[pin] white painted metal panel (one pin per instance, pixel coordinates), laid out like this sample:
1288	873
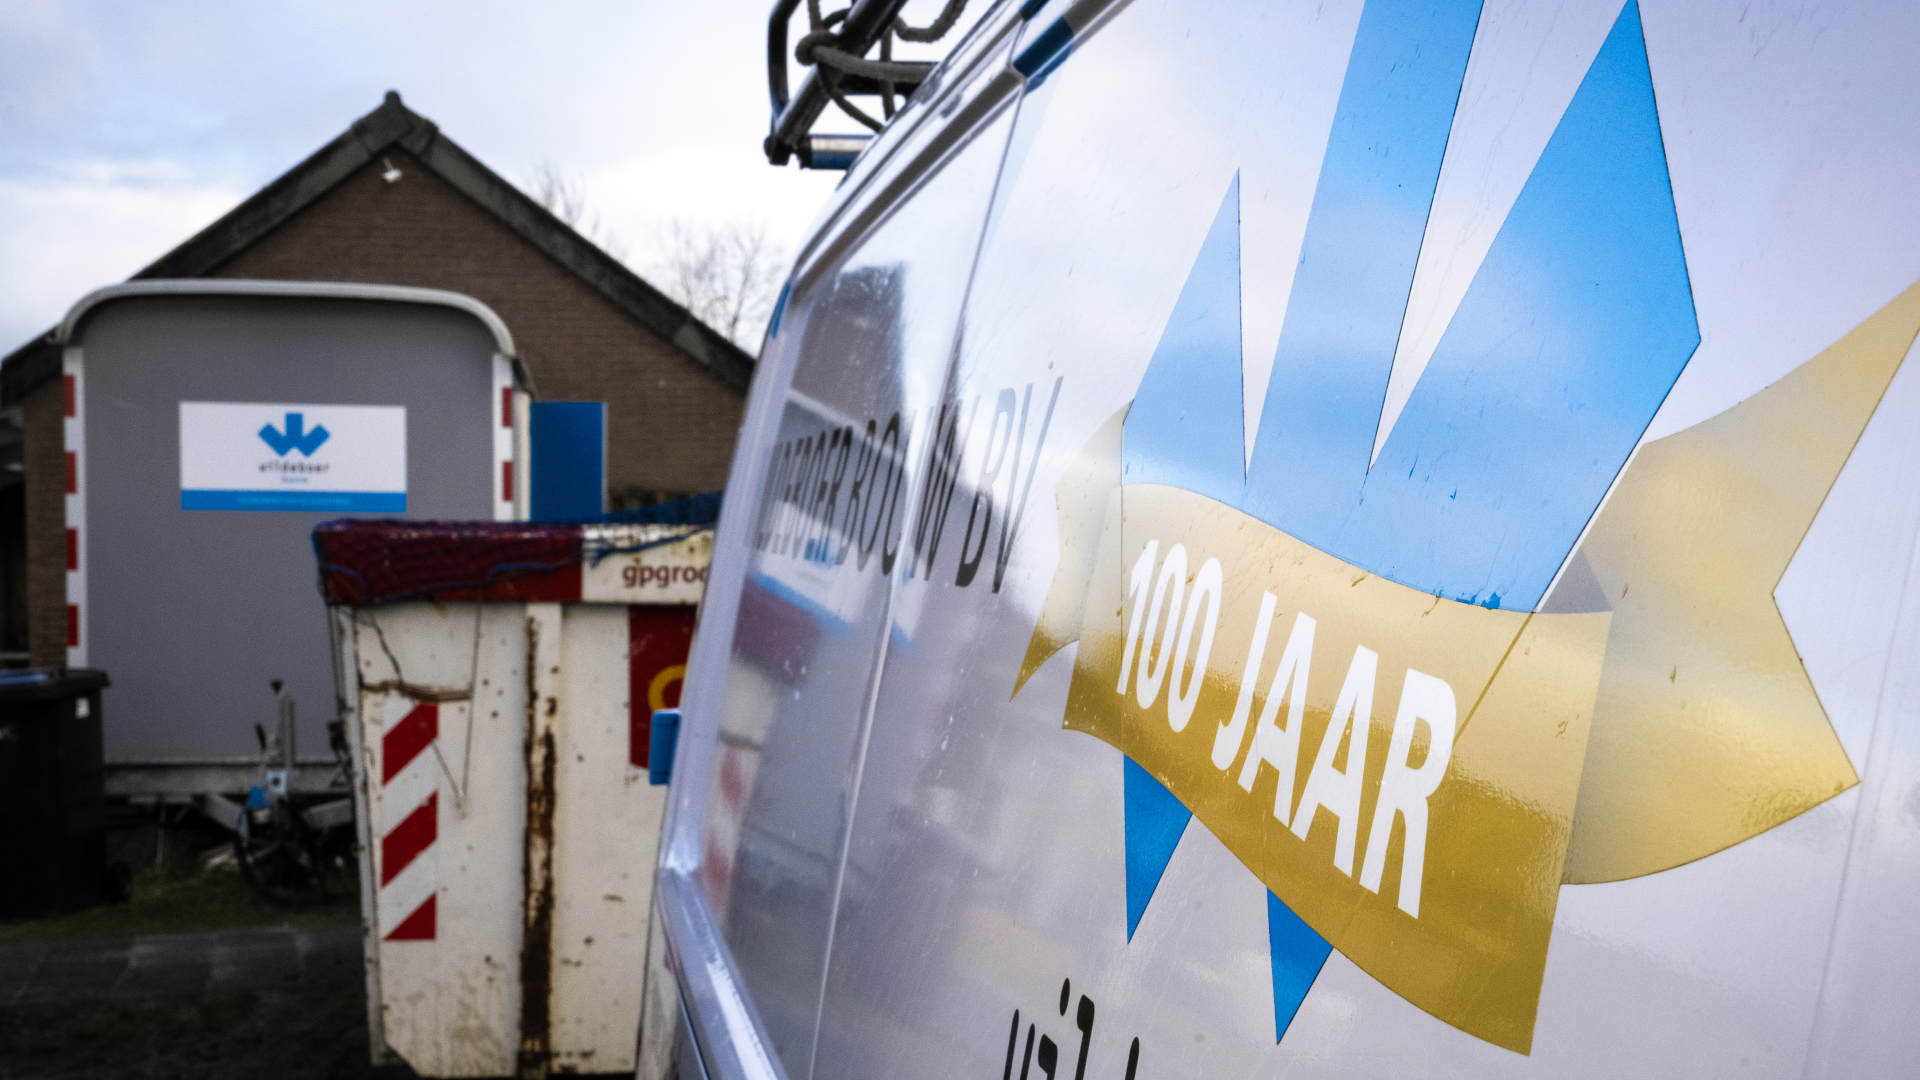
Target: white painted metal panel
453	703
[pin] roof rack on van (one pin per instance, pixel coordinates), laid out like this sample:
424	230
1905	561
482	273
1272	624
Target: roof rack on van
836	46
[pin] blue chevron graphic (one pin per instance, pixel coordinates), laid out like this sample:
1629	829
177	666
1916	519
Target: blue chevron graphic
1155	821
1357	260
1569	337
1192	392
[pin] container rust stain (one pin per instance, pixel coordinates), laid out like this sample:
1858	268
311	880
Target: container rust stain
432	695
536	949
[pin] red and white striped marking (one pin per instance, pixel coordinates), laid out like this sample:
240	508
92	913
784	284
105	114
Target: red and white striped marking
74	440
409	819
505	436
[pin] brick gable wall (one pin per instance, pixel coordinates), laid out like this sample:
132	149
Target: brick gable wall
671	424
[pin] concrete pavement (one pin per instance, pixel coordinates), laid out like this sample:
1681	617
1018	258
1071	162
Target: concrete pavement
89	970
286	1002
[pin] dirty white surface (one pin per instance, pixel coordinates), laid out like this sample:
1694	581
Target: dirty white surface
451	1006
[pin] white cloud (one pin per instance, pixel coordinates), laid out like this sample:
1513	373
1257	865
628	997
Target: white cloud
60	240
124	128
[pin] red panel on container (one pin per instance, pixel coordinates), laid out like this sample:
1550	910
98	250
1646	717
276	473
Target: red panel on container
73	626
73	549
560	586
506	406
418	926
408	839
377	562
407	739
506	481
73	473
657	642
67	380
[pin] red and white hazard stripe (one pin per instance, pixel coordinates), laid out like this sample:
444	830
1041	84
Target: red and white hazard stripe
509	492
409	820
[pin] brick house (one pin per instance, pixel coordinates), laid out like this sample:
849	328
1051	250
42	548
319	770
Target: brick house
392	201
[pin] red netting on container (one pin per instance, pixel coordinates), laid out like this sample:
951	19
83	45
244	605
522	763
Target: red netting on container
376	562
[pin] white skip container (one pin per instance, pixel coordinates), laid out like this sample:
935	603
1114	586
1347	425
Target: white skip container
500	680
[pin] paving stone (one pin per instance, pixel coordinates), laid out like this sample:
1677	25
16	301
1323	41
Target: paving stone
81	970
331	952
18	962
305	1020
254	960
166	965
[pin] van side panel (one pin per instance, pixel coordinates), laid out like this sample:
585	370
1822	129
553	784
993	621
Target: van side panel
1501	671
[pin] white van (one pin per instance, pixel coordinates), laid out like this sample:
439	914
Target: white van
1342	538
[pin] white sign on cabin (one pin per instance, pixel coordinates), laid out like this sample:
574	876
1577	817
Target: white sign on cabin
250	456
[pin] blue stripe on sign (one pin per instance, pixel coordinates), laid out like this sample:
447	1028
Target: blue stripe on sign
1574	329
1155	820
1356	264
1298	955
1039	59
1186	428
352	502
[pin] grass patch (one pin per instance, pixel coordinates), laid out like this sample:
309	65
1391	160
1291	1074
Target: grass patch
179	894
214	900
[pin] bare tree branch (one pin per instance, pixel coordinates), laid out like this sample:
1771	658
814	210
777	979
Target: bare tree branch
563	197
726	275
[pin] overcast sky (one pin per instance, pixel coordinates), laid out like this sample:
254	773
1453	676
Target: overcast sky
125	127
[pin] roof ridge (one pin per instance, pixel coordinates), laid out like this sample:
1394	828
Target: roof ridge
392	123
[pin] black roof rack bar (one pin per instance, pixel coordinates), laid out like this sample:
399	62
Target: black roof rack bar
793	118
862	86
777	53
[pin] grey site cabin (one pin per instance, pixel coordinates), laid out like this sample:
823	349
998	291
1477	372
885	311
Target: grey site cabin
198	468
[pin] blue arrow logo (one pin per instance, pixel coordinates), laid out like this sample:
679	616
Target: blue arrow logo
296	437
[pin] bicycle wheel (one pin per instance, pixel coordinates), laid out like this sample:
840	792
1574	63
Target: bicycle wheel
276	857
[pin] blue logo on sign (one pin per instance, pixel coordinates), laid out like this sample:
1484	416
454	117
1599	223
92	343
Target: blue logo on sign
295	437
